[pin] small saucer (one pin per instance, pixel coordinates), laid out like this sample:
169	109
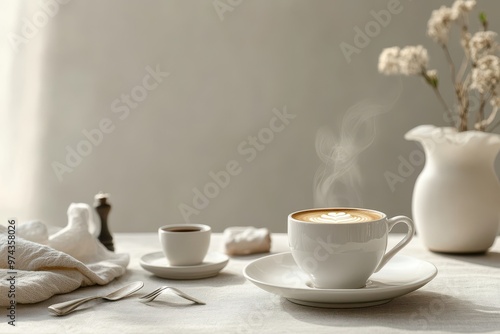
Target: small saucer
279	274
157	264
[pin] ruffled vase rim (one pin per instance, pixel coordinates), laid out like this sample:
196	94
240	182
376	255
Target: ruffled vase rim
423	133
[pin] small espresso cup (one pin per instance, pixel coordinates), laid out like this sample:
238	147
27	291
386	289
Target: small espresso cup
184	244
340	248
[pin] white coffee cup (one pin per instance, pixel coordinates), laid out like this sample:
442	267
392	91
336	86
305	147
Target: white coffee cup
185	244
340	248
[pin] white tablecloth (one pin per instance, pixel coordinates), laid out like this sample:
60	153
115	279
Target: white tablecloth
463	298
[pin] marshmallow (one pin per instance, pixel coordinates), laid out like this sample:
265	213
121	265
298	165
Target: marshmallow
241	240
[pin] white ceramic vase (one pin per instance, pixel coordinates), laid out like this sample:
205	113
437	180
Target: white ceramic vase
456	199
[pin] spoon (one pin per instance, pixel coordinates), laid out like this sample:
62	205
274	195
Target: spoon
69	306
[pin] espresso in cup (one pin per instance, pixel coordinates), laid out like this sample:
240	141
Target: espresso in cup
340	248
183	229
185	244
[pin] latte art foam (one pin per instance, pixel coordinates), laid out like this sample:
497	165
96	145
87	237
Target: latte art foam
343	216
339	217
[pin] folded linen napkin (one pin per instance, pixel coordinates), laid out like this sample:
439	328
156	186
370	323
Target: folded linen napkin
59	263
239	240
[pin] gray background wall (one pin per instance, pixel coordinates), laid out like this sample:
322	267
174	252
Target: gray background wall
228	71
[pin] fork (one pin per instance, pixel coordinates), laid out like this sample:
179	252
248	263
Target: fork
152	295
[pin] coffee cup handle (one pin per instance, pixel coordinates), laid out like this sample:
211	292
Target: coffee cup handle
409	235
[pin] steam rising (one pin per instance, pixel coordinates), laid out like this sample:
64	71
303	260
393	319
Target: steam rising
337	181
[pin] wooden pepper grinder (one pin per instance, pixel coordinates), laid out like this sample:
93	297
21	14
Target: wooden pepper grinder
102	207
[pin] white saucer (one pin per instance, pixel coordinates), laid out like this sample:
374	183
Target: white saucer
158	265
279	274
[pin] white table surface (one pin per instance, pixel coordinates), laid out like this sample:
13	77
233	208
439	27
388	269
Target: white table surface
463	298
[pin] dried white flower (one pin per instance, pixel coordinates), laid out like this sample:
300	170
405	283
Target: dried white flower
482	44
410	60
432	74
438	26
462	7
413	60
480	70
432	78
486	74
465	42
388	62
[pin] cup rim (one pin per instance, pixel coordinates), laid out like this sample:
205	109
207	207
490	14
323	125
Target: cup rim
291	218
202	227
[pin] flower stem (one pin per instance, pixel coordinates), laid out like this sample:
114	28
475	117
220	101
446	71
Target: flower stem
439	96
484	21
465	37
497	123
459	92
450	62
463	100
480	114
492	116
